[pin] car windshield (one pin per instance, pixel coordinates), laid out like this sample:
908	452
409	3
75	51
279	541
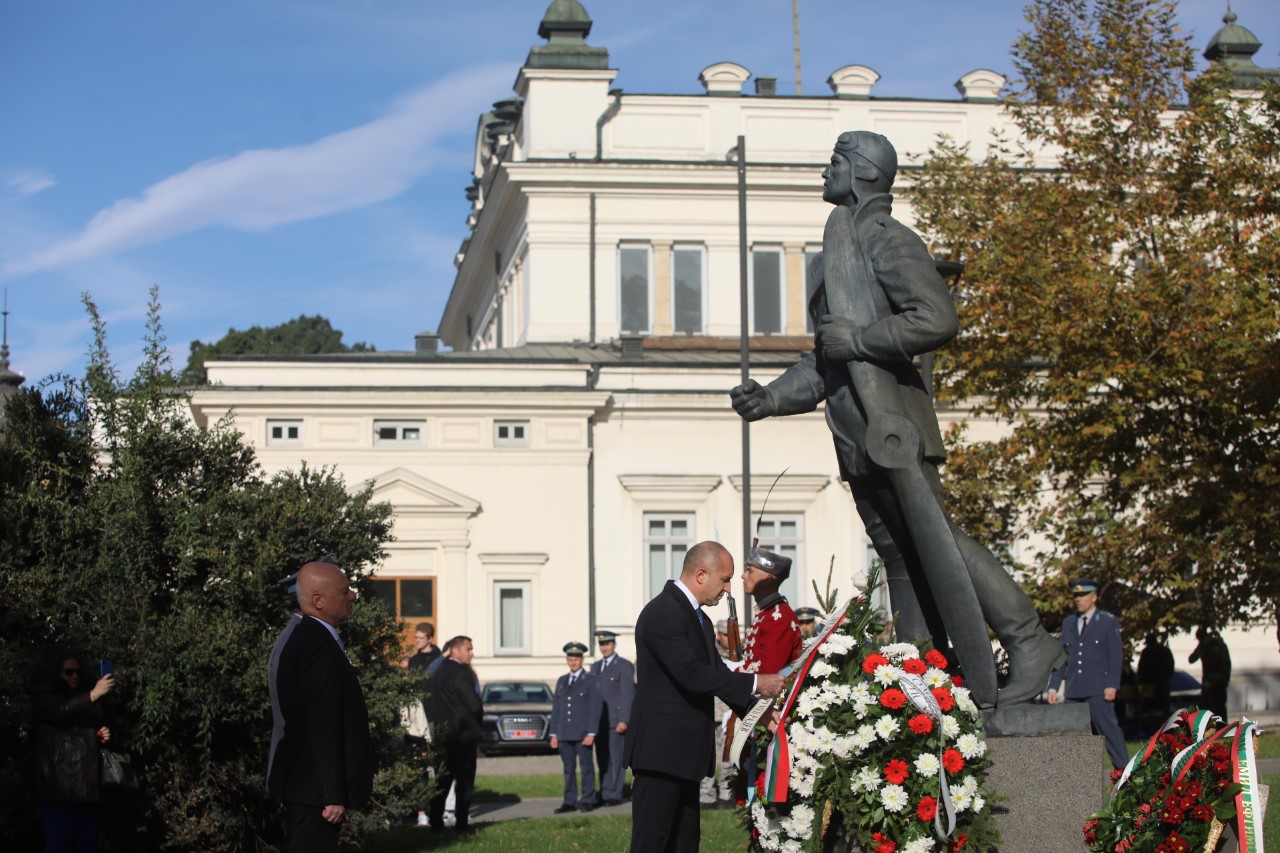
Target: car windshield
516	693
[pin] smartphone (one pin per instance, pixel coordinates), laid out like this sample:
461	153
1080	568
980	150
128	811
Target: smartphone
105	667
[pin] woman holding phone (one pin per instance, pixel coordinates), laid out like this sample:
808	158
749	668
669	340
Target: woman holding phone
69	731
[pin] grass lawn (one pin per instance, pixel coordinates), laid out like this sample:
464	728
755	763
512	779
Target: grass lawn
524	787
720	832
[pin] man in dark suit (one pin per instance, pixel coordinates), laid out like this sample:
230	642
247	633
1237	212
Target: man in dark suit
1091	639
617	677
670	744
321	767
575	718
455	713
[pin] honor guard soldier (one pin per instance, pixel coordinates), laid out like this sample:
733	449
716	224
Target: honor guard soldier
617	679
773	640
575	716
1091	639
807	619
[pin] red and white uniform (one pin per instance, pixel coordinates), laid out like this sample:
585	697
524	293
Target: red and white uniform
773	640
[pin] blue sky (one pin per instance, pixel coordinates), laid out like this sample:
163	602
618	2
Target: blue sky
259	159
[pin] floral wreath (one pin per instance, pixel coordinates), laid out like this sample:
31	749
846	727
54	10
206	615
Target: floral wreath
1194	778
878	747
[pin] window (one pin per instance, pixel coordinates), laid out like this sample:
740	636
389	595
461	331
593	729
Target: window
667	537
686	282
512	609
397	432
510	433
811	278
784	534
766	291
284	433
411	600
633	288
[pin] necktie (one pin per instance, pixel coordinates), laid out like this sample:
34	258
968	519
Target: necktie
573	678
604	664
701	618
1084	620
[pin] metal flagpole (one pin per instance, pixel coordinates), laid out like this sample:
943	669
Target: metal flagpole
745	349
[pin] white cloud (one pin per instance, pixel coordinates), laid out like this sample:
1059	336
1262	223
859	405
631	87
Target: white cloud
26	181
260	189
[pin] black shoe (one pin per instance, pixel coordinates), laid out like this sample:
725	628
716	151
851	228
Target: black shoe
565	808
613	802
588	807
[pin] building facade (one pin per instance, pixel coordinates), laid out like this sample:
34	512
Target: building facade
549	471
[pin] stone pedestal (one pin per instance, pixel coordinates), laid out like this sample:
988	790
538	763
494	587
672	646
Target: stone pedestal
1049	773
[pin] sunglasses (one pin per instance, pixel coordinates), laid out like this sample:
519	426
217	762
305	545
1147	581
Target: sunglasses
70	672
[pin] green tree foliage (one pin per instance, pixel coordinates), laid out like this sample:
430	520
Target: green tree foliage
1121	313
129	533
302	336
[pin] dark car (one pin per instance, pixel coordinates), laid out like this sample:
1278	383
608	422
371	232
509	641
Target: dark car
517	716
1137	714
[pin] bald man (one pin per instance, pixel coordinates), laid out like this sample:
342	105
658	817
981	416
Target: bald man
670	744
321	766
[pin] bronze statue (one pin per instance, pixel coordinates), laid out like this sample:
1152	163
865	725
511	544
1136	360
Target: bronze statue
879	303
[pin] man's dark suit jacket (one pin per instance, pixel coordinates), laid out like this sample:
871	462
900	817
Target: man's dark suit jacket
323	758
1094	661
679	672
453	705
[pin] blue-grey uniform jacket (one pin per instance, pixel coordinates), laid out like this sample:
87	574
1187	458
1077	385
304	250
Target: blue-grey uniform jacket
575	711
617	688
1094	660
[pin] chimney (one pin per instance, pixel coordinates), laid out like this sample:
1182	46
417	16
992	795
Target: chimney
766	87
425	344
632	346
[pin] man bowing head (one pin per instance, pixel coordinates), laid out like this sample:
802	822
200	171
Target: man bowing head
321	766
670	743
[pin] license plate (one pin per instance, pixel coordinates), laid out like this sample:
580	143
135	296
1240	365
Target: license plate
523	734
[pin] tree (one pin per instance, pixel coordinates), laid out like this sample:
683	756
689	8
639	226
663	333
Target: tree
1121	314
303	336
130	533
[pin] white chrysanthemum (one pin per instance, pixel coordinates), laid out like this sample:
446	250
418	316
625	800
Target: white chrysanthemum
919	845
860	694
950	726
864	737
893	798
934	677
791	846
970	746
800	823
970	784
821	669
887	675
964	702
898	652
866	780
887	728
978	803
927	764
960	798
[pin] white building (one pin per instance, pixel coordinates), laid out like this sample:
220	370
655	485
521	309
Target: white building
548	473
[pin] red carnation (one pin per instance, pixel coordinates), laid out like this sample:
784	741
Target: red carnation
961	838
883	844
945	700
1175	843
927	808
874	660
1115	776
1172	814
896	771
1091	832
893	698
1202	812
953	761
936	658
1218	752
915	666
920	724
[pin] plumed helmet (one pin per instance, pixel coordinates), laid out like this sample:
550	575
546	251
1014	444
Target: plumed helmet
775	564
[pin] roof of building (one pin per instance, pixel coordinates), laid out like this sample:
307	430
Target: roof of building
1234	46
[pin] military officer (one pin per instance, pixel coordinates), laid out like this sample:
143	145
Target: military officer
617	678
1091	639
807	619
773	640
575	716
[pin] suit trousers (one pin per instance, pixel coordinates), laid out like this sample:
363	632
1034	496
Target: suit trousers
665	816
459	771
573	755
306	831
1102	718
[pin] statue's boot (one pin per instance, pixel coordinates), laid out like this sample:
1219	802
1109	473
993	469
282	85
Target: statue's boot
1033	652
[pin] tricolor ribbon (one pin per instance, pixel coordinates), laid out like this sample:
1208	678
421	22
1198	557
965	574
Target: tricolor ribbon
1248	801
777	767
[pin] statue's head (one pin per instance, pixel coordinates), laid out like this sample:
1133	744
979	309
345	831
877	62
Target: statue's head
863	163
